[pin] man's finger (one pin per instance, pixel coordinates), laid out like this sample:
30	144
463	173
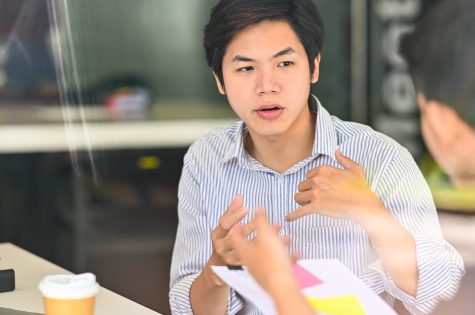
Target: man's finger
305	185
348	163
230	219
321	170
236	204
233	258
312	173
303	198
238	240
233	211
298	213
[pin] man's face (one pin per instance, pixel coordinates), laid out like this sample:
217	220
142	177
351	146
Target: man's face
267	79
449	139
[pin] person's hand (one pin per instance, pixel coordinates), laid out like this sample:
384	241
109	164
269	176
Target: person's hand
265	256
336	192
267	260
229	224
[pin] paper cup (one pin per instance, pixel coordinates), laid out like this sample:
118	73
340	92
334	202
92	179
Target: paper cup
69	294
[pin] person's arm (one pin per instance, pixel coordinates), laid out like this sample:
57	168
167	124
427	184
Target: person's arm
289	299
344	193
415	265
395	247
193	253
268	261
209	295
405	192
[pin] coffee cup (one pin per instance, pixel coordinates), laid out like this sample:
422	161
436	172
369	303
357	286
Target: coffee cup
69	294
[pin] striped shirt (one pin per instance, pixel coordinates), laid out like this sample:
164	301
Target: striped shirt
217	167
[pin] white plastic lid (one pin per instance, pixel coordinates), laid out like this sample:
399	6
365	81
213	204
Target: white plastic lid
69	286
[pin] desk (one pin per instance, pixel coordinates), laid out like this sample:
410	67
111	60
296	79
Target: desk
459	231
30	269
58	137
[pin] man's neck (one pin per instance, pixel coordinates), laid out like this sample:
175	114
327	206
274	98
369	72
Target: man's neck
282	152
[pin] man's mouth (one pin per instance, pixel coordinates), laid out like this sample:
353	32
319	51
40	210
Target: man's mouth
270	108
269	111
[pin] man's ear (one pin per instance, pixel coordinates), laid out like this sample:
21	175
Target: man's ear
219	85
316	71
435	111
444	122
439	113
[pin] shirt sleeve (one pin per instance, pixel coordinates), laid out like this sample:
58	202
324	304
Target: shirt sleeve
193	243
404	191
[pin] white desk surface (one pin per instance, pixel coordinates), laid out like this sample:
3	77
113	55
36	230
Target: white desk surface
58	137
30	269
459	231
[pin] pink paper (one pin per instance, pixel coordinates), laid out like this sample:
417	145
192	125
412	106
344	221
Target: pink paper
305	278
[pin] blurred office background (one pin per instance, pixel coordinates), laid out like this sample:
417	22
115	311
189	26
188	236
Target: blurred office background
99	100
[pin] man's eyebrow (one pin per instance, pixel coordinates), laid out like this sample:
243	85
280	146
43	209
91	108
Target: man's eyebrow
239	58
285	51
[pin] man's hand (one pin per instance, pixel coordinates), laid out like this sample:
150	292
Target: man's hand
336	192
223	248
265	255
208	293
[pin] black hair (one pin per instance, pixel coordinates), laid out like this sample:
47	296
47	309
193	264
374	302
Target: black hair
229	17
440	53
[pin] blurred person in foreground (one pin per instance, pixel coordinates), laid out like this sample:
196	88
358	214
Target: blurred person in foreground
338	189
268	261
440	53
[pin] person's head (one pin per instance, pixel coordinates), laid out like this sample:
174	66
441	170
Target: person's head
440	53
229	17
265	54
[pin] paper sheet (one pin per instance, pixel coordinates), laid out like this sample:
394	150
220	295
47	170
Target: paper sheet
323	282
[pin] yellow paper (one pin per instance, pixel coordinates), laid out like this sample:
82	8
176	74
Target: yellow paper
342	305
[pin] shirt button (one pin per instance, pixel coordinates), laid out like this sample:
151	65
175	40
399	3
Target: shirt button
281	233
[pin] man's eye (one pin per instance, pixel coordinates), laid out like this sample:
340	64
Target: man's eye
285	63
245	69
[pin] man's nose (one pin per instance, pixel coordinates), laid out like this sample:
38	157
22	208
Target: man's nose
267	83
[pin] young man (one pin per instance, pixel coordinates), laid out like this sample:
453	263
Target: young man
338	189
440	54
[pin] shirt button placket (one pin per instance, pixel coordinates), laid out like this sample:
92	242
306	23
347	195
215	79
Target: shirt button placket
280	204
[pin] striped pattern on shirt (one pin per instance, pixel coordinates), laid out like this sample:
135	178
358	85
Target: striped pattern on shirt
217	167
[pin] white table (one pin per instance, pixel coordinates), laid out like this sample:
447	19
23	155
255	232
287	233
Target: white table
459	230
58	137
30	269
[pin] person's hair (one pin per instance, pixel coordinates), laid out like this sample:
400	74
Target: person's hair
440	53
229	17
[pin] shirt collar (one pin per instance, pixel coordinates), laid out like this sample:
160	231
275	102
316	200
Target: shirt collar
237	151
326	141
